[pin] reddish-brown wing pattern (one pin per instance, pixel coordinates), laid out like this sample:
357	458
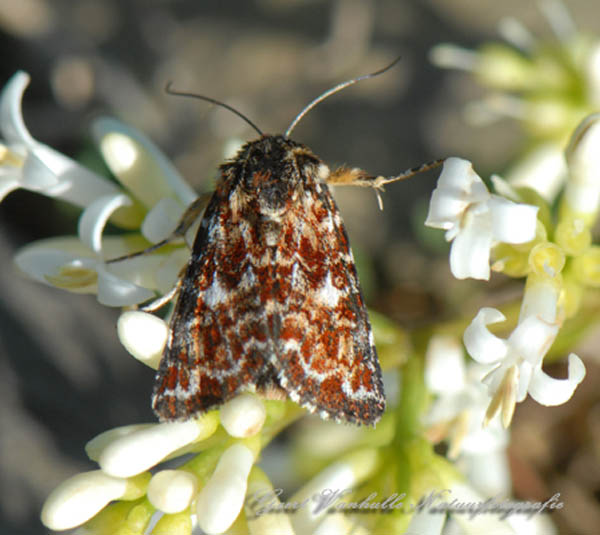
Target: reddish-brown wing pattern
270	300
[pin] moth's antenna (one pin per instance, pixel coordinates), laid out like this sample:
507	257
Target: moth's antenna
171	91
335	89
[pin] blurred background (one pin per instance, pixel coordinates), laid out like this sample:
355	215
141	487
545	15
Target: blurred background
64	376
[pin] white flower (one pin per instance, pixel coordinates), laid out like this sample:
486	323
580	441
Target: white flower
80	497
462	399
474	219
262	522
582	192
458	413
66	263
29	164
341	524
424	522
543	169
520	87
470	513
153	199
141	449
222	498
321	492
172	491
95	446
139	164
483	521
516	363
143	335
243	416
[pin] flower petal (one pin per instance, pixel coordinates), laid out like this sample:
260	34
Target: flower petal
346	473
222	498
504	189
481	344
8	183
593	72
581	198
541	297
162	220
482	440
549	391
167	274
444	211
451	56
489	471
67	259
44	168
445	365
47	259
143	335
458	186
36	175
116	292
512	222
523	380
269	521
243	416
172	491
138	451
11	120
425	522
74	183
340	524
458	175
470	251
544	170
532	338
139	164
582	193
96	445
141	270
79	498
94	218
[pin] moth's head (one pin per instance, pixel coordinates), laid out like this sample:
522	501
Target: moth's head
274	170
275	157
267	151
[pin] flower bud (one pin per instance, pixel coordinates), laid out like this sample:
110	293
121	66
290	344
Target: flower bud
243	416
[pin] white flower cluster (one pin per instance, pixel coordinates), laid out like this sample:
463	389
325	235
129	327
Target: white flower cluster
548	84
152	197
209	496
476	220
211	500
211	489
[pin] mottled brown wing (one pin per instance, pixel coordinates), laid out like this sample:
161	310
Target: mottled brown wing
219	341
327	360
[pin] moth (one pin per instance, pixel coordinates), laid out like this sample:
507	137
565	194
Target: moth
270	300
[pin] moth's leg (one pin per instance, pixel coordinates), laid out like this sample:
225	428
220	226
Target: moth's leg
191	215
163	299
344	176
169	296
